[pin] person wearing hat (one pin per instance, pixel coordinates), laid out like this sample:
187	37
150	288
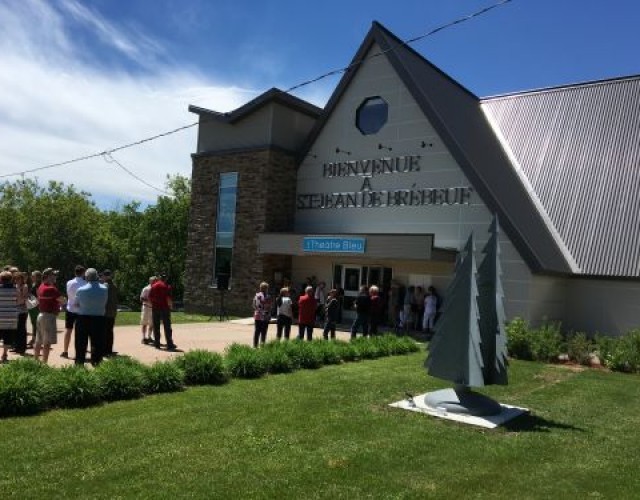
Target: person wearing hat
50	299
72	311
90	302
110	313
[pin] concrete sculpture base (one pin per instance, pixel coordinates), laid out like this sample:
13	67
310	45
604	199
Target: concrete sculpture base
462	400
417	404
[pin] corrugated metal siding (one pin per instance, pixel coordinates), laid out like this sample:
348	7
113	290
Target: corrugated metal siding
579	147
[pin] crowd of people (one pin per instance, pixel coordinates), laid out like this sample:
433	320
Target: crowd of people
90	305
407	309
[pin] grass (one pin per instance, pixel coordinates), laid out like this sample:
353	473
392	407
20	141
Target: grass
330	433
177	317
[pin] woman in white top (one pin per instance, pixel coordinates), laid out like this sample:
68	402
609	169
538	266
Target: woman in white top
430	309
285	314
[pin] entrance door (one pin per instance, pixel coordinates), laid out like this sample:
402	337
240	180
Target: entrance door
350	282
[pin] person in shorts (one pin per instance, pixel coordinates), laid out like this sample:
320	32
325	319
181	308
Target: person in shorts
50	300
146	315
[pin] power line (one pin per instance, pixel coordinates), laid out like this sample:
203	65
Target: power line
110	159
404	43
107	153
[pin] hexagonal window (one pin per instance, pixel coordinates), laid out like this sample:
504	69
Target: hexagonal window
371	115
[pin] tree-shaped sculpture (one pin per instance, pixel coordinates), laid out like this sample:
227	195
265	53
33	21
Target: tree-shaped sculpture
454	351
469	344
492	317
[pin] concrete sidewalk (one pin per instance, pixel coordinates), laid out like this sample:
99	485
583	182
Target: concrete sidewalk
211	336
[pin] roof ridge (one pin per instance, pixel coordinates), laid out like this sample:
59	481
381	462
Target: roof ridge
563	87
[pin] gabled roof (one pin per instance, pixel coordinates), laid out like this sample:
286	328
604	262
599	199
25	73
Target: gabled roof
579	148
456	115
271	95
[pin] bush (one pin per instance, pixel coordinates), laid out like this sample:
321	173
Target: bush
164	376
121	378
245	362
546	342
367	349
580	348
277	358
605	346
518	339
304	354
328	352
625	353
22	392
203	368
346	350
406	345
73	387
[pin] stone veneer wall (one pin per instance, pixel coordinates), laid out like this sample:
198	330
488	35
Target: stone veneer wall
265	203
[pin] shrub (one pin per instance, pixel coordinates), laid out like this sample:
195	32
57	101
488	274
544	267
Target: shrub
406	345
347	350
22	392
605	346
73	387
245	362
164	376
203	367
625	354
121	378
385	345
367	349
29	365
580	348
304	354
546	342
518	339
328	352
293	350
277	358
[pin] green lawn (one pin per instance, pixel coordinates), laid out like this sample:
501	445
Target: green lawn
133	318
330	434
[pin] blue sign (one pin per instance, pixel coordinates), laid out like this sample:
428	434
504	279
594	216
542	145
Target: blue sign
330	244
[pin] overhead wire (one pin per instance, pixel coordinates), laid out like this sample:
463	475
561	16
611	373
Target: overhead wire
106	154
110	159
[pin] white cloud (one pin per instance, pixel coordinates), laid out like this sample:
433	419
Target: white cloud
55	107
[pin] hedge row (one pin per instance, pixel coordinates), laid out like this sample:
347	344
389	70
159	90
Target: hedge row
28	387
548	343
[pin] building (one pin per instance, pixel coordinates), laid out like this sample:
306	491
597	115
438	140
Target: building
384	185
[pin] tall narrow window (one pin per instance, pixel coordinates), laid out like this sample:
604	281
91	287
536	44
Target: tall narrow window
225	228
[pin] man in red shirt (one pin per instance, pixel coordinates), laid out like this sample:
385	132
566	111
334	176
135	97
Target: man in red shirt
306	314
50	299
161	304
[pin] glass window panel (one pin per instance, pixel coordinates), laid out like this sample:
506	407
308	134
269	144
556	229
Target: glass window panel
351	279
372	115
225	225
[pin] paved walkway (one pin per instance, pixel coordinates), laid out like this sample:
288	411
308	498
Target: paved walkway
213	336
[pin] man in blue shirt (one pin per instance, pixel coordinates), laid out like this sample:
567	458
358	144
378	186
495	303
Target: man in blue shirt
91	300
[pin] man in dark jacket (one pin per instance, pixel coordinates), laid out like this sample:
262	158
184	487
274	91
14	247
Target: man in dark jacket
363	310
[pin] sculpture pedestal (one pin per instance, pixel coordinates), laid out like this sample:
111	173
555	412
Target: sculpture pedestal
462	401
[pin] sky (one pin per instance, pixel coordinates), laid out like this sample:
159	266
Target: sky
79	77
